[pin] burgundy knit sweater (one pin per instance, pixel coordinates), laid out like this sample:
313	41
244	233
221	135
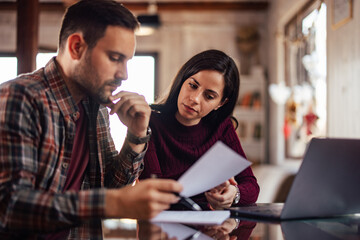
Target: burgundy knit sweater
173	148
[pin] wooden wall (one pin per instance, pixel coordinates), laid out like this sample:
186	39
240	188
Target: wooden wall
344	76
184	34
343	73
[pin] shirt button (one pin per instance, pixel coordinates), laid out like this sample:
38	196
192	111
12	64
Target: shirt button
65	165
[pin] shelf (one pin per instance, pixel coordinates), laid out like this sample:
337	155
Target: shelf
251	115
249	80
254	151
248	111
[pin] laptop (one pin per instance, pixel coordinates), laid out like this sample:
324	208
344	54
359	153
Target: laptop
326	185
300	230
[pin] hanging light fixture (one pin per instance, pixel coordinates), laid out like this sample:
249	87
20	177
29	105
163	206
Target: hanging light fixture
150	21
279	93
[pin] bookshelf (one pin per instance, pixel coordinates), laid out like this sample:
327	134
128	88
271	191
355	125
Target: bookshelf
250	113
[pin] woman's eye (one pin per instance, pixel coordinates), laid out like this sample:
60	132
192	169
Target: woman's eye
192	85
209	97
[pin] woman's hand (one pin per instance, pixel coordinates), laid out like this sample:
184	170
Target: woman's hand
222	231
222	196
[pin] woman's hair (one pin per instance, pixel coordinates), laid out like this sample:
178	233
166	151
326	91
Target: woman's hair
206	60
92	17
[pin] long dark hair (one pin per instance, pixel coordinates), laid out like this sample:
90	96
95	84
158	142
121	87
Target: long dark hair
92	17
206	60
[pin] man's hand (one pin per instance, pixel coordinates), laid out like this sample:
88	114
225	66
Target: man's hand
143	201
132	110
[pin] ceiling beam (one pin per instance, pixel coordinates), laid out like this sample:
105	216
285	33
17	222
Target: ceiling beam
165	6
9	6
200	6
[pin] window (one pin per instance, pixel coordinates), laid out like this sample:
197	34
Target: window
141	72
305	66
8	65
8	68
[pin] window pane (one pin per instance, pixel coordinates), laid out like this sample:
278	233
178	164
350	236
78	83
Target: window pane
8	65
43	58
8	68
141	73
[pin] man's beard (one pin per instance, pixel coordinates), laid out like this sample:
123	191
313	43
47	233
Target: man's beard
101	97
86	72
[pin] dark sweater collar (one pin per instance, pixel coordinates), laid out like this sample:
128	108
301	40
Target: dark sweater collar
180	129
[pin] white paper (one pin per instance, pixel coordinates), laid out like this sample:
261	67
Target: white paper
179	231
192	217
217	165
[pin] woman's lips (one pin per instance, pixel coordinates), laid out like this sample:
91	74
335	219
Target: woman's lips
190	109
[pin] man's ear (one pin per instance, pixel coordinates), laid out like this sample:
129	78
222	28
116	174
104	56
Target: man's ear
76	45
221	104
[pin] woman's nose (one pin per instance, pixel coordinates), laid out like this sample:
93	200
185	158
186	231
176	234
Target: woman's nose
195	96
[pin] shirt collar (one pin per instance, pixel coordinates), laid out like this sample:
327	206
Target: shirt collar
60	91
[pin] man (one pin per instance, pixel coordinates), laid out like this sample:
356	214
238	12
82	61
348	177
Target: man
59	170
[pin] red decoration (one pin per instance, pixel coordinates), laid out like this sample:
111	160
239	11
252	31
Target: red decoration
310	121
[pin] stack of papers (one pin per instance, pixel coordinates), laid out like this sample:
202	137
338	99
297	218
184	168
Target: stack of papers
192	217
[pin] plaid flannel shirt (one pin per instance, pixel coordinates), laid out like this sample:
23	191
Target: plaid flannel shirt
37	128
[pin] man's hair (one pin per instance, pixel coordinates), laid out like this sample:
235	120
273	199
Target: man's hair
92	17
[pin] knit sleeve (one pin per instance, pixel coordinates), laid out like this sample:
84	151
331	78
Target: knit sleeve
151	162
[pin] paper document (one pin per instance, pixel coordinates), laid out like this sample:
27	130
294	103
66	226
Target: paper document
216	166
192	217
179	231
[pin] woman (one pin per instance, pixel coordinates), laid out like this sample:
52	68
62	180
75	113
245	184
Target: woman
196	114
